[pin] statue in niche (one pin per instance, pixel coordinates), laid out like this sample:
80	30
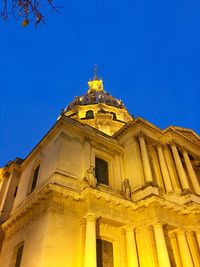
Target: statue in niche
90	176
126	189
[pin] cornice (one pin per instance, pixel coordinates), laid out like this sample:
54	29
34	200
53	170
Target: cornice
90	195
78	127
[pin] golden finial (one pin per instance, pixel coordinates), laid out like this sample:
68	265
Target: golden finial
96	84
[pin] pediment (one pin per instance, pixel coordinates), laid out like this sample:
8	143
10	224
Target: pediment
190	134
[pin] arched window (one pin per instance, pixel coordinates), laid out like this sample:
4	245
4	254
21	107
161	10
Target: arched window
104	253
101	171
89	114
114	115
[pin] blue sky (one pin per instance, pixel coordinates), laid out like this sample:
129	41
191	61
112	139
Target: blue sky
147	52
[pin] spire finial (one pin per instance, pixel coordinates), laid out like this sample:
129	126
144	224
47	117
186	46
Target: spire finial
95	72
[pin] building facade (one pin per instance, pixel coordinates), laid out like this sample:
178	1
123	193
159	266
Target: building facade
103	189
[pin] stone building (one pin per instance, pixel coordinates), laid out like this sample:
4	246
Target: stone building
103	189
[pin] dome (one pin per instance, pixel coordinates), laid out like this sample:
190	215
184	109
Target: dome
98	109
95	95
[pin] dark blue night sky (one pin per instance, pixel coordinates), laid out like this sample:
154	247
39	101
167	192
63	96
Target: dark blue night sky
148	53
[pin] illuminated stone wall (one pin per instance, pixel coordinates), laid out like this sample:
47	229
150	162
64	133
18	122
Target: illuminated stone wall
149	212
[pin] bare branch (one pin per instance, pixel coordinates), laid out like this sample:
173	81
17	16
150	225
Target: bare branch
26	10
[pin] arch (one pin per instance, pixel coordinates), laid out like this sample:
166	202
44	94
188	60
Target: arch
89	114
114	115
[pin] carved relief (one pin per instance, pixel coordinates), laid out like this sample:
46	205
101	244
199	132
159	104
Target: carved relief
90	177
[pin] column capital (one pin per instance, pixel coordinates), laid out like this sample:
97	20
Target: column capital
183	150
172	234
140	134
158	225
180	232
158	145
189	233
178	146
129	228
91	216
82	221
172	143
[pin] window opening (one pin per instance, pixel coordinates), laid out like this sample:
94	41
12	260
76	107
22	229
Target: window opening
35	178
104	253
101	171
114	115
15	193
89	114
19	256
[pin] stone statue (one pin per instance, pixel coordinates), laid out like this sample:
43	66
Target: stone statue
90	176
126	189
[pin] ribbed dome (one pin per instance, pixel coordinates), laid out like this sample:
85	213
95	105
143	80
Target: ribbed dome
98	109
95	97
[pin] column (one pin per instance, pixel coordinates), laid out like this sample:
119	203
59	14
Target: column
191	172
90	241
180	169
162	252
172	169
145	160
186	258
132	257
165	173
175	249
193	248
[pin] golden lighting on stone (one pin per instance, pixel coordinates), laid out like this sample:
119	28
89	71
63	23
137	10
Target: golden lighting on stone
135	189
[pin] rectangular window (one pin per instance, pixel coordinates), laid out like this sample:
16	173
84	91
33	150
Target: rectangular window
101	171
104	253
19	253
34	178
